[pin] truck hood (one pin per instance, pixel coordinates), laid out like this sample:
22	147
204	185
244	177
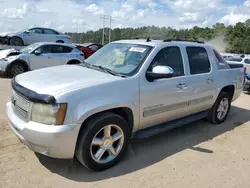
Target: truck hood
7	34
60	79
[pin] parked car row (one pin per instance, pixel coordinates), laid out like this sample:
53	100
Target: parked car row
33	35
38	55
128	88
89	48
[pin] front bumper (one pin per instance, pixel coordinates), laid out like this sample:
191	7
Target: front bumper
4	40
52	141
3	65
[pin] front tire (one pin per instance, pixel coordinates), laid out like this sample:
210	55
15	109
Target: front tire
15	69
103	141
16	41
219	112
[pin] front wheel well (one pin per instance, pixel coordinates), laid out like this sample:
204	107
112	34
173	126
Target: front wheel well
124	112
230	90
73	62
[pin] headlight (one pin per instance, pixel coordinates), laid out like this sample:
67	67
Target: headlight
49	114
10	58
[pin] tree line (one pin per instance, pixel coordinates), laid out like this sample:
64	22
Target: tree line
232	39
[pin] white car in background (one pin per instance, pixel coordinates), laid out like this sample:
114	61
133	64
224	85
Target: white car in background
245	61
33	35
38	55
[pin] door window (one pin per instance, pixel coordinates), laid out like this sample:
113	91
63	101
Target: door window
35	31
198	60
46	49
170	56
49	32
61	49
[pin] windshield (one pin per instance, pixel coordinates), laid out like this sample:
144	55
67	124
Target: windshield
29	48
121	58
234	59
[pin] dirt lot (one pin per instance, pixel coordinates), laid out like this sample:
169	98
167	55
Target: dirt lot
197	155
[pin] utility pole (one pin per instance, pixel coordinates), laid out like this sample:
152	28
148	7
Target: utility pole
104	18
110	20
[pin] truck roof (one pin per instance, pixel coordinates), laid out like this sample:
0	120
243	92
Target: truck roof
154	43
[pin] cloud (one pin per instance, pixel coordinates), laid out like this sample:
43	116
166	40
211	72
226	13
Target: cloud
236	14
74	15
15	13
93	8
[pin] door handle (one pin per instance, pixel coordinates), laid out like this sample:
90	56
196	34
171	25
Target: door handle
209	80
182	85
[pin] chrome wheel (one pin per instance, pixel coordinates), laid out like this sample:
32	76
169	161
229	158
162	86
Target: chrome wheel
16	69
107	144
223	108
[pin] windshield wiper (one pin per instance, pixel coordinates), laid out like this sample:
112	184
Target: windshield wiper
109	71
86	64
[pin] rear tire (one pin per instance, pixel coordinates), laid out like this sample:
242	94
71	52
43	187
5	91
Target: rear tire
96	146
16	68
219	112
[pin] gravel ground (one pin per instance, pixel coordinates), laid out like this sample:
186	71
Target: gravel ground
197	155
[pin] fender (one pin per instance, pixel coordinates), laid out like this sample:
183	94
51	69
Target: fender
94	111
19	60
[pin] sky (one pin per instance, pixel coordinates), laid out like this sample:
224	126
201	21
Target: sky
84	15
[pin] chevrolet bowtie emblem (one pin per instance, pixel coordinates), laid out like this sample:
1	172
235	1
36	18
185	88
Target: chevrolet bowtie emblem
13	100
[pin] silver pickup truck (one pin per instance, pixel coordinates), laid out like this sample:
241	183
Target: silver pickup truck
129	88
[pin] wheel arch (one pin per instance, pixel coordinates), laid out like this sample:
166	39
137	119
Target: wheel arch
73	61
123	111
19	61
228	89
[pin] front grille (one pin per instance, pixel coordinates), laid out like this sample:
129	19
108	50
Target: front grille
21	106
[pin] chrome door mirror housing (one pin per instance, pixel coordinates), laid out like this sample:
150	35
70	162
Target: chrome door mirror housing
159	72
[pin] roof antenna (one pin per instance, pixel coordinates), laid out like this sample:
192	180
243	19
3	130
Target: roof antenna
148	39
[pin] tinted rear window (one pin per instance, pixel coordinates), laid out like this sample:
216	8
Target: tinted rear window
198	60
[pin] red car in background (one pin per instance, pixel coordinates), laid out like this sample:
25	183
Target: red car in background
88	48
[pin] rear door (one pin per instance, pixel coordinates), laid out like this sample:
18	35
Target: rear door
200	78
60	55
50	35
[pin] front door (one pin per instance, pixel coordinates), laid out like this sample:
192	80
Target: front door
42	60
166	99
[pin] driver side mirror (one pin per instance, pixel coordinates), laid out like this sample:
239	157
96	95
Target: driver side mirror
160	72
37	52
27	32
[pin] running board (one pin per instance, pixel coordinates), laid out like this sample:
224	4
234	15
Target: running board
157	129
